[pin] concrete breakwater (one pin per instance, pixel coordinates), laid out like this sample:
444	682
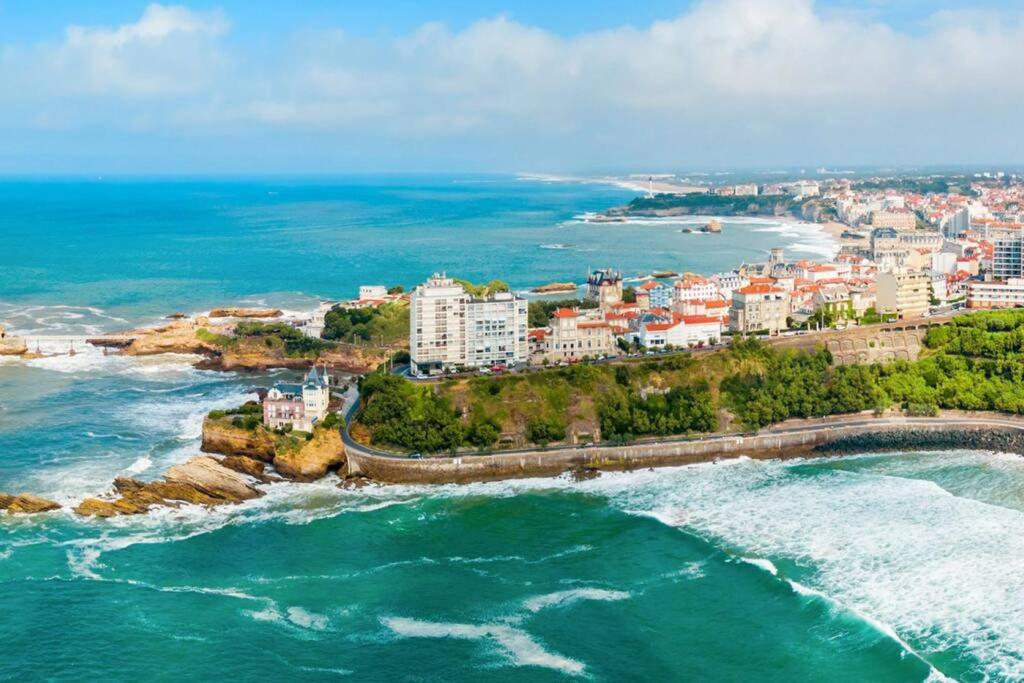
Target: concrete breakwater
794	439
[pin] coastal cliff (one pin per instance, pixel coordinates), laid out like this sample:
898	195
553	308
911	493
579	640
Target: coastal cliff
292	456
237	346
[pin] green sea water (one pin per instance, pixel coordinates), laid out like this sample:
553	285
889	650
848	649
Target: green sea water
882	567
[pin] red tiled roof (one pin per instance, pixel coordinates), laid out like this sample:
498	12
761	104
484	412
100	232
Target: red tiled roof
700	319
564	313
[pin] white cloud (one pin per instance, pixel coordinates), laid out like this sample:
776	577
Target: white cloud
729	80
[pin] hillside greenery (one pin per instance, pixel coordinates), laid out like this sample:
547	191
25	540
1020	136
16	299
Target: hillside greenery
387	324
282	337
976	362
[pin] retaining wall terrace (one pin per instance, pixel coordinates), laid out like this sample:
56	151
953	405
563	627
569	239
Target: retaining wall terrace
810	437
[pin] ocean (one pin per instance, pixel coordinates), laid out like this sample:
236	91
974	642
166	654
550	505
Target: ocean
880	567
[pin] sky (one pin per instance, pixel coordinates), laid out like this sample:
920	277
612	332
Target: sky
258	87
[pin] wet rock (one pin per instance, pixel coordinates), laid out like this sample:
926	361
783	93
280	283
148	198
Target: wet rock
26	504
583	473
354	482
200	481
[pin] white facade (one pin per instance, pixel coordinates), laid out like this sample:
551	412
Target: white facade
372	292
449	328
1008	294
691	289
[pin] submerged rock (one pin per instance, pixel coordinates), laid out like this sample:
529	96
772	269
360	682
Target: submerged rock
26	504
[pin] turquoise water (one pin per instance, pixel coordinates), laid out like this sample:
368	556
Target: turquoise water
882	567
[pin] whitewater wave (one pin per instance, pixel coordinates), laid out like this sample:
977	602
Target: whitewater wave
567	597
514	644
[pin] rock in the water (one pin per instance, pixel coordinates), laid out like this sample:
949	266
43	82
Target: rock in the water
26	504
245	313
208	476
200	481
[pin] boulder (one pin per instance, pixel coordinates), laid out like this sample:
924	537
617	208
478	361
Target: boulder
200	481
26	504
206	475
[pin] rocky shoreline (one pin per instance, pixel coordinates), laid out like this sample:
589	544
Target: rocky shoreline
247	457
1001	440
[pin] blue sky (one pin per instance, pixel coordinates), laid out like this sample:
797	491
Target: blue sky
337	87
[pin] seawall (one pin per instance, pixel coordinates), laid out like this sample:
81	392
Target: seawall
793	439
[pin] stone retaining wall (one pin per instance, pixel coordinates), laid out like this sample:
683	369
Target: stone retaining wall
834	438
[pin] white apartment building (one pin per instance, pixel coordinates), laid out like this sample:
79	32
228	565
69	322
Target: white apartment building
1008	294
449	328
727	282
1007	254
692	288
905	294
373	292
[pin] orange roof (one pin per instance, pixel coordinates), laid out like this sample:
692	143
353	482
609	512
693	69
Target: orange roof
649	285
758	289
593	324
564	313
700	319
659	327
716	303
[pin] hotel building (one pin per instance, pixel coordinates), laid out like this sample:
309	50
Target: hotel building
449	328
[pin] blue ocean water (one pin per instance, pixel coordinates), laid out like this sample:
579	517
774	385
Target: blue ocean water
882	567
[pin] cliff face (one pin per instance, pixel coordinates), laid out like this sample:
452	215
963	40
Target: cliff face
219	436
313	459
292	456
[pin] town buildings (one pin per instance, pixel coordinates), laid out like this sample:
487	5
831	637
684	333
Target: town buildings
984	295
298	406
449	328
904	294
572	336
758	307
605	287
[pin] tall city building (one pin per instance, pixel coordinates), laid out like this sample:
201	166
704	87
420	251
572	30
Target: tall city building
1007	254
449	328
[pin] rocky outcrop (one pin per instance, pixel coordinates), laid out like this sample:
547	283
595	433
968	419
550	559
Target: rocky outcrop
220	436
555	287
26	504
11	346
178	336
292	456
200	481
250	467
313	459
245	313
